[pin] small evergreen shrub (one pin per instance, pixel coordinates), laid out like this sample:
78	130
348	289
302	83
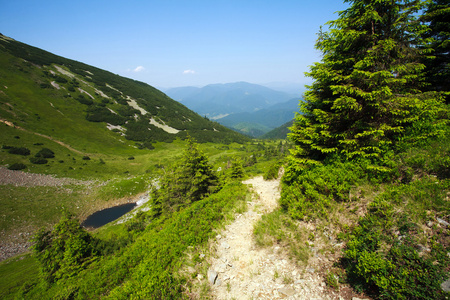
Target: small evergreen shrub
64	251
38	160
84	100
17	166
45	153
19	151
236	170
86	157
60	79
187	181
311	193
272	172
384	254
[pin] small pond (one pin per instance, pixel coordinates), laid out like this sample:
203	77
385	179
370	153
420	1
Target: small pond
107	215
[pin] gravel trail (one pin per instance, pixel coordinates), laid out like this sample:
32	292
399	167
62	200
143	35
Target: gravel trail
246	272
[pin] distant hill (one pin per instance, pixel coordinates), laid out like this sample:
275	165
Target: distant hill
278	133
87	107
218	100
262	121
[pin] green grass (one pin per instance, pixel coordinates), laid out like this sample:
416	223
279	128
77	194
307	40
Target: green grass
15	273
278	228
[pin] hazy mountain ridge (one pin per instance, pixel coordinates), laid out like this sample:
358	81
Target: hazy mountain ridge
223	99
264	120
248	108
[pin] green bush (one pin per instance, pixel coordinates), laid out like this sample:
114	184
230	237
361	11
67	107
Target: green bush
18	150
45	153
236	170
64	251
84	100
312	192
383	256
60	79
17	166
38	160
273	171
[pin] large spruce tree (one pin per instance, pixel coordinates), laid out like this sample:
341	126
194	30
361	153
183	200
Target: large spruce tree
437	17
367	88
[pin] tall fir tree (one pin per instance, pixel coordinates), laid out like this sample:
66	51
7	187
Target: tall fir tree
366	89
437	17
187	181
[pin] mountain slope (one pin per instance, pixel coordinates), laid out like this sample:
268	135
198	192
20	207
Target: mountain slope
279	132
216	100
89	108
264	119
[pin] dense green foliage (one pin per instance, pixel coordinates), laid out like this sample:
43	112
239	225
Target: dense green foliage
389	254
437	17
189	180
367	87
375	116
148	267
64	251
311	193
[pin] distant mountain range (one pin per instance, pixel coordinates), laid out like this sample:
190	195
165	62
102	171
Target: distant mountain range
218	100
247	108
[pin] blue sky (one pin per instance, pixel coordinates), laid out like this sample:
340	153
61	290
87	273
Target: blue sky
169	43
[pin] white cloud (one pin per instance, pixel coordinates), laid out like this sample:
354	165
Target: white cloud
188	72
139	69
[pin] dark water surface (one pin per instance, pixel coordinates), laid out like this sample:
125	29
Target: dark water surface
107	215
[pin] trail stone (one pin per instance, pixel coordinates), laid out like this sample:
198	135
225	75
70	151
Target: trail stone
445	286
443	222
287	291
212	276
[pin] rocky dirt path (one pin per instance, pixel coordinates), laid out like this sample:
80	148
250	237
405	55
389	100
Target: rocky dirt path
243	271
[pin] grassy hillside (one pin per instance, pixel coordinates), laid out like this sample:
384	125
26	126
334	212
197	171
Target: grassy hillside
278	133
58	97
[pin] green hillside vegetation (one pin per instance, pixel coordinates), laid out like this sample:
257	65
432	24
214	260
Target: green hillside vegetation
250	129
58	97
279	132
370	169
146	256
